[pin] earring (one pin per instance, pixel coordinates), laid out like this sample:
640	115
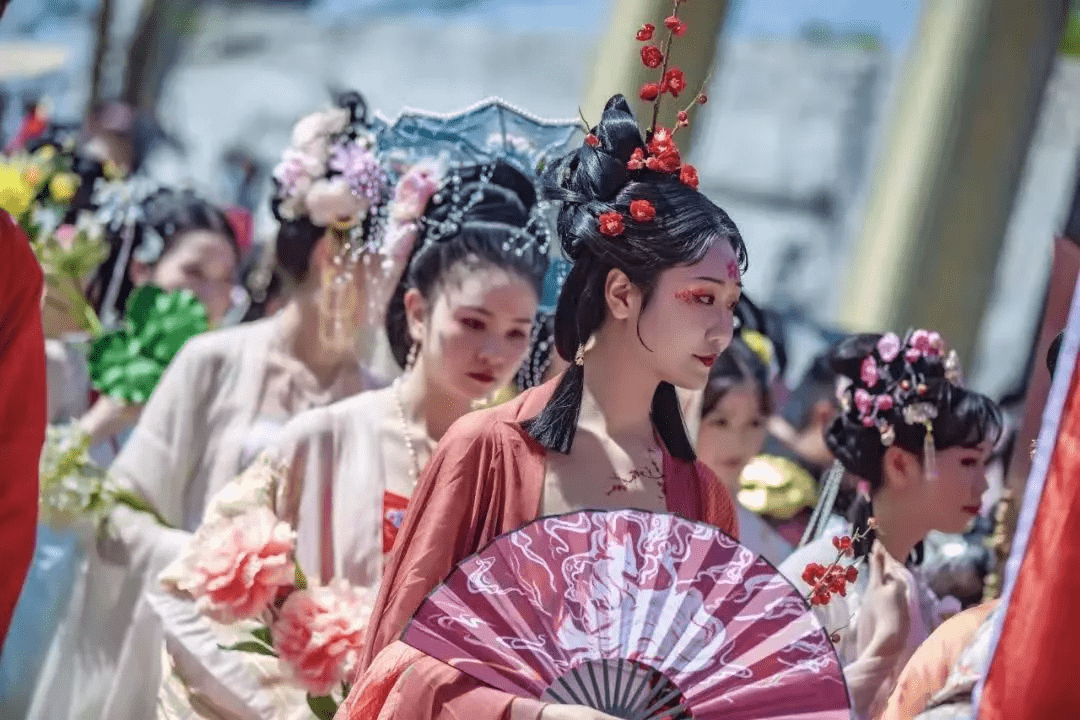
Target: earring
410	360
579	356
929	461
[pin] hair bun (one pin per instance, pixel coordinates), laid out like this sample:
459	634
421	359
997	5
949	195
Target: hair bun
496	193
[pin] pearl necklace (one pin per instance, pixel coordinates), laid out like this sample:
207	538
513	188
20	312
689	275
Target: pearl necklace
414	470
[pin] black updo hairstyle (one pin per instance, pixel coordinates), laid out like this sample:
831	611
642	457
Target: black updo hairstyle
488	235
588	182
964	419
736	365
297	237
171	214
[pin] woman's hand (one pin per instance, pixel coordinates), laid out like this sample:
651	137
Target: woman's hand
885	616
881	634
108	417
572	712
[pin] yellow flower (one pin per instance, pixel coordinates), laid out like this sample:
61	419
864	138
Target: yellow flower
33	175
112	170
759	344
15	193
44	154
62	187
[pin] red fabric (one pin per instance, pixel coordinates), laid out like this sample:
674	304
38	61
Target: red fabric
22	409
485	479
1032	675
243	226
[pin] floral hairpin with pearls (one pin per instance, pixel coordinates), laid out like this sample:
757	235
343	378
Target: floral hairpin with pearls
660	153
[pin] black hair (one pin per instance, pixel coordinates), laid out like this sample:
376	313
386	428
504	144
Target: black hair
768	323
538	360
1053	351
297	237
818	384
736	365
171	214
964	419
488	234
589	182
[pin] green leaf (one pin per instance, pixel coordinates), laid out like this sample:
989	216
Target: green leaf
300	579
324	707
128	363
250	646
263	634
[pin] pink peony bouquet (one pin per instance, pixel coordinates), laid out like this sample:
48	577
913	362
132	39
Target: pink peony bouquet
240	567
236	566
319	633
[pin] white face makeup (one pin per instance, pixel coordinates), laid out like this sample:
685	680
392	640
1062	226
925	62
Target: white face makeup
690	318
477	330
954	496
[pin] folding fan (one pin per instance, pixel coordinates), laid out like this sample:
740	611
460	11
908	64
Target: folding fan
636	614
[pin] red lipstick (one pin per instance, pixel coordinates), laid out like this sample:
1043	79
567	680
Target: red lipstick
706	360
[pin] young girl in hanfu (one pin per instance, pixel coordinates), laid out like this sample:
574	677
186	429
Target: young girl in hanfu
647	306
918	444
460	323
224	397
735	412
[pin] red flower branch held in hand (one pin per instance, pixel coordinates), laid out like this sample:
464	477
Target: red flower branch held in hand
826	581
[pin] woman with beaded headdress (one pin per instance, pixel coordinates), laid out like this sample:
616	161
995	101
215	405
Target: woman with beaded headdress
459	323
917	444
647	306
228	392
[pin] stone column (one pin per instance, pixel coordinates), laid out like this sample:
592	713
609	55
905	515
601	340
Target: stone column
618	67
950	165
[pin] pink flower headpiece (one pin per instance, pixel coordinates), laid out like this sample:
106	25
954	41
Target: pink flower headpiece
897	382
411	196
329	173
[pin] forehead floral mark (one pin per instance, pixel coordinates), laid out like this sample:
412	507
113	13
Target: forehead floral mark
733	270
660	154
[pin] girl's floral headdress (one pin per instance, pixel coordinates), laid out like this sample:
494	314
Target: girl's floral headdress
329	174
660	153
897	383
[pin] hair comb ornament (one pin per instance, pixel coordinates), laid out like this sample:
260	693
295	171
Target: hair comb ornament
660	153
481	135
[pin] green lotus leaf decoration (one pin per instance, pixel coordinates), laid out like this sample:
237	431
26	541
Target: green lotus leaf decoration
127	363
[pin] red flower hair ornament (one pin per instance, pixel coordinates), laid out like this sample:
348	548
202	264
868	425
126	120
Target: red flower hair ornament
660	153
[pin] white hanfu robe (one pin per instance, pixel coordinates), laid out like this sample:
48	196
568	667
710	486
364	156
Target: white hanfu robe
326	477
215	405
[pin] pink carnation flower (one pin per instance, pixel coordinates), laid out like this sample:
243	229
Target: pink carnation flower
868	372
296	172
888	347
320	633
920	340
937	345
235	566
413	192
864	401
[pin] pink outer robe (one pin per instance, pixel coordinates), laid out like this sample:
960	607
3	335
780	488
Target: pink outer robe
485	479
